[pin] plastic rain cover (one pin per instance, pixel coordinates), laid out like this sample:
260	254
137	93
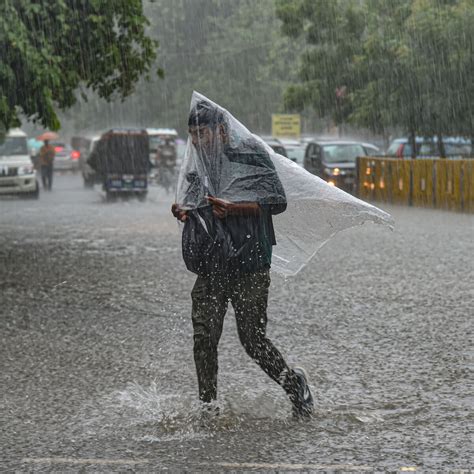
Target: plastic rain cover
227	161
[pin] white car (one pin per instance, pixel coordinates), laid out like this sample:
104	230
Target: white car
17	173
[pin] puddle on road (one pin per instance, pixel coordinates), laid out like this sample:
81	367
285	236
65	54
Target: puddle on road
150	415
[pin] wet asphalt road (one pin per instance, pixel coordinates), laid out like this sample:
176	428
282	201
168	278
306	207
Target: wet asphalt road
97	373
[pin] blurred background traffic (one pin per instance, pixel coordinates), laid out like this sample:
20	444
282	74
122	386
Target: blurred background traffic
332	158
322	82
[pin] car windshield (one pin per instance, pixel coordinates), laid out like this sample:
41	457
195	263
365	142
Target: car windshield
13	146
372	151
296	154
342	153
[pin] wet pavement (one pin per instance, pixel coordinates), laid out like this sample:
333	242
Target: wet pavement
97	372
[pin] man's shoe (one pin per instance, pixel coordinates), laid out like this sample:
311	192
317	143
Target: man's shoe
209	411
302	399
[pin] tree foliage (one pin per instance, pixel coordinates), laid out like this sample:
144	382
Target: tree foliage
386	63
48	49
232	51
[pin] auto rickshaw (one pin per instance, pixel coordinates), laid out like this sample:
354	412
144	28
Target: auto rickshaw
121	159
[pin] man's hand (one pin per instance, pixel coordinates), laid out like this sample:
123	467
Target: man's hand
222	208
179	213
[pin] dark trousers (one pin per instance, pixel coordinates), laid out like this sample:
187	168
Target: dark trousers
47	176
248	295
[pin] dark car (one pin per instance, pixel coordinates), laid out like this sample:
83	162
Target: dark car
335	161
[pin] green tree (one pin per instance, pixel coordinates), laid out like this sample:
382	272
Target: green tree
402	63
442	36
333	30
49	49
230	51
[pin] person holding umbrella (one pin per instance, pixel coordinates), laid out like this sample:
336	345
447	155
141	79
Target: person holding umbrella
46	159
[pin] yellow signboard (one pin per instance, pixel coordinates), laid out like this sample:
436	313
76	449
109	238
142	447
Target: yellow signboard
286	125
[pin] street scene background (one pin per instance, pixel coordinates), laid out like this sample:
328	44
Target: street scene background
375	98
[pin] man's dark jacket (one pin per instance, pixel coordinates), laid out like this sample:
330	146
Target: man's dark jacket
236	244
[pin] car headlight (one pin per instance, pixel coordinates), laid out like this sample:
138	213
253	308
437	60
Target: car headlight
332	171
24	170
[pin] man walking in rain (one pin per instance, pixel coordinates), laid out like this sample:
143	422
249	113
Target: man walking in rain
227	194
46	160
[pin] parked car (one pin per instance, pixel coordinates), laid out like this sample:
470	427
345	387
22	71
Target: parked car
278	148
275	145
335	161
372	150
66	159
17	173
294	149
455	147
296	152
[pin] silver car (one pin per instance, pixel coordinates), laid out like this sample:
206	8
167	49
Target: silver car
66	159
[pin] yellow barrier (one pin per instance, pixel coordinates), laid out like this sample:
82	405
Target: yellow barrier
445	184
423	185
468	186
384	180
400	181
363	181
448	184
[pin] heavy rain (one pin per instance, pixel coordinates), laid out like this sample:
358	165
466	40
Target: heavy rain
236	235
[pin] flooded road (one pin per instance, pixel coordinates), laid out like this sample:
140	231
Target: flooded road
97	371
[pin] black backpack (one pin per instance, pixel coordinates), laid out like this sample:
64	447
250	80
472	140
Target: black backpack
207	245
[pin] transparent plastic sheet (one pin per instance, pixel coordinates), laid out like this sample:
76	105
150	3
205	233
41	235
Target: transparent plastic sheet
233	164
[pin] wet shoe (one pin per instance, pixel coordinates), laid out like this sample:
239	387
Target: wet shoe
301	397
209	411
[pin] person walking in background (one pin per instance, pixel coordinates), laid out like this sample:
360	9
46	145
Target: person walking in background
46	163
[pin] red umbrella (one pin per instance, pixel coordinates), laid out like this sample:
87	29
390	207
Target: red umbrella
47	136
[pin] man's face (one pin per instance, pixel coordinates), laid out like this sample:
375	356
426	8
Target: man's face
201	137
